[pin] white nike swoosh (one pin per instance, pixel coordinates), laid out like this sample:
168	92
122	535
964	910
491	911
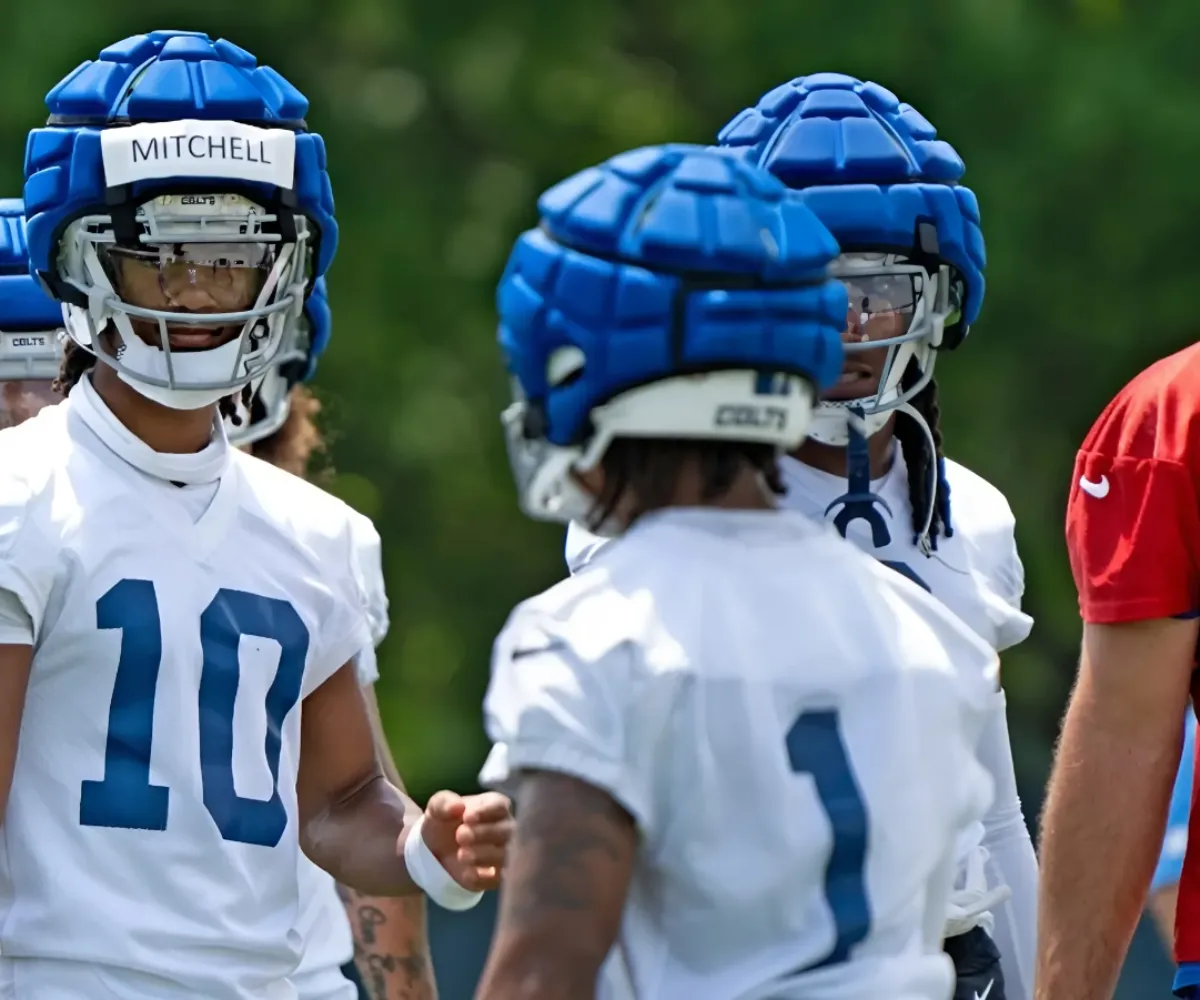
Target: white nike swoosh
984	994
1098	490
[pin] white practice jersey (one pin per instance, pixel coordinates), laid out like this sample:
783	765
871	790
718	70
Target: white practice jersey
152	822
327	941
798	781
976	572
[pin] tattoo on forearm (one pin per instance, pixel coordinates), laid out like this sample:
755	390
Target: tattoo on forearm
392	955
568	872
572	841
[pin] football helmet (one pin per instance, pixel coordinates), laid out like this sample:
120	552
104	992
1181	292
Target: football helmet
874	171
671	292
179	208
30	326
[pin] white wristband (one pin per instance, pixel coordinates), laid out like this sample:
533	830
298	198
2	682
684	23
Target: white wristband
427	872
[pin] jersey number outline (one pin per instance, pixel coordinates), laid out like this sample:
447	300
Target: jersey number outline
125	799
815	747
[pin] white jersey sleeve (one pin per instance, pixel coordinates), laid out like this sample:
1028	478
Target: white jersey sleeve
347	629
368	567
984	521
322	925
571	693
28	561
1011	860
16	625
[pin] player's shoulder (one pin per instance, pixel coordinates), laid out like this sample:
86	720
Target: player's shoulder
1156	415
363	531
976	503
603	606
296	506
640	590
35	445
30	455
923	633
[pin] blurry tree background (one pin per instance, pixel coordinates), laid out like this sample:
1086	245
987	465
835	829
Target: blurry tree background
1079	124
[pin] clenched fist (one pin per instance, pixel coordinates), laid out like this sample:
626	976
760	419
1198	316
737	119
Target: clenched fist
469	836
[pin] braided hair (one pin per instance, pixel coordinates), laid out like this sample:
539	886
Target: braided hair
77	362
925	471
651	468
300	441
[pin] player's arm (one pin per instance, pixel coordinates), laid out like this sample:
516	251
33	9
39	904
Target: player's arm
1107	802
1161	905
391	942
564	891
1164	886
577	719
1133	535
1011	861
15	663
354	823
1011	858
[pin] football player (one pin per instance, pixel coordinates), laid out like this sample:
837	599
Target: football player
166	601
875	172
712	772
383	949
872	465
30	326
1133	535
280	428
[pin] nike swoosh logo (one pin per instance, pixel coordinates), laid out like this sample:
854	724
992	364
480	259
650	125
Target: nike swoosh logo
984	994
550	647
1098	490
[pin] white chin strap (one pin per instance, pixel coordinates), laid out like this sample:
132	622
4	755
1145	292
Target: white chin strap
272	394
150	360
831	424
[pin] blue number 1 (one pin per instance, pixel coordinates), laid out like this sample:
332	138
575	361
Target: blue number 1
814	746
126	799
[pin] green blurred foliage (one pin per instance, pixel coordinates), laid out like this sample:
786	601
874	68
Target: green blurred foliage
1077	120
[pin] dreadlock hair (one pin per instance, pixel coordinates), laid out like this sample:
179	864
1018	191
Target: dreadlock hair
925	471
299	440
77	362
649	470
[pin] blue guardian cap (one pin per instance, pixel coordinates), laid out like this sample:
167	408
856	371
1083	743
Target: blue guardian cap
30	326
180	209
671	292
874	171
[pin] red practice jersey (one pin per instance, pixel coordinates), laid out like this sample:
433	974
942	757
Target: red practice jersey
1133	534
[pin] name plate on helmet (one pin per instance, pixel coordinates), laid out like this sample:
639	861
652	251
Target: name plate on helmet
191	148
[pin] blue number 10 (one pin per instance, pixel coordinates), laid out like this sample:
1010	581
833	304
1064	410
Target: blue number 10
814	746
125	798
